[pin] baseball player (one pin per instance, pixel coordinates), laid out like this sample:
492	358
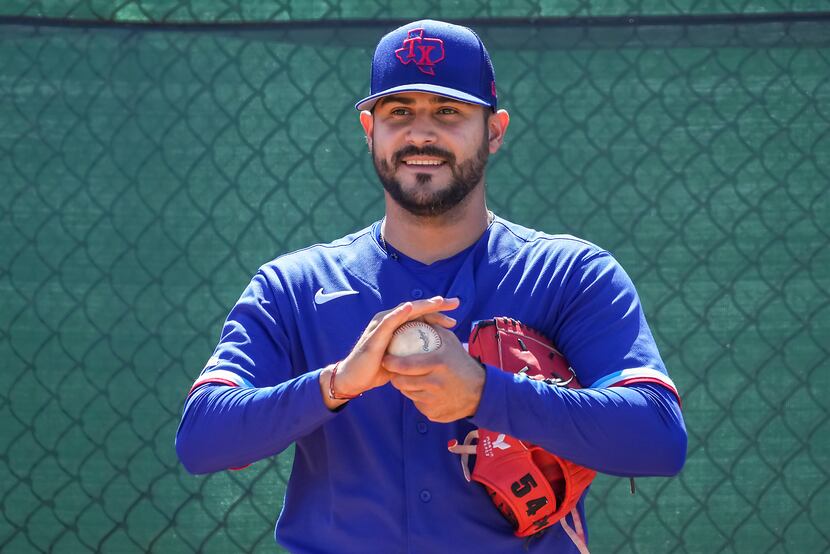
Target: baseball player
302	356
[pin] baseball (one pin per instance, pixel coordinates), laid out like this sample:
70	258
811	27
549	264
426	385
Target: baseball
414	337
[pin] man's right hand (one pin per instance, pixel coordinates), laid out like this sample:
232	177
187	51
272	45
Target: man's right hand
361	370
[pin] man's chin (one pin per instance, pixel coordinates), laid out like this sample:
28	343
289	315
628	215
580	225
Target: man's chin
427	205
413	180
424	211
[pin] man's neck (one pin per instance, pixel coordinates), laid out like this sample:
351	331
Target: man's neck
429	239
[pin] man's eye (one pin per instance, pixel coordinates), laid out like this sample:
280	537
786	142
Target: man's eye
400	111
447	111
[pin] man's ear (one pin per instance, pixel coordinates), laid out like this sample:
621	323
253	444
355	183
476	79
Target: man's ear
496	128
367	121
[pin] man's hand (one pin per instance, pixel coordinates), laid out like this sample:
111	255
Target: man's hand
445	385
361	370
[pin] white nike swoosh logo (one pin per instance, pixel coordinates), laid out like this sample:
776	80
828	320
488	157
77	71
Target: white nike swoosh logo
322	298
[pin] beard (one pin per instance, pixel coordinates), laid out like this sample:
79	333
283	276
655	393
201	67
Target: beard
465	177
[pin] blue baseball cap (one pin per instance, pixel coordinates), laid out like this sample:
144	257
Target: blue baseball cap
432	56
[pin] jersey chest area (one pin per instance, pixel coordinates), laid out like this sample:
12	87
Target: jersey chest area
330	317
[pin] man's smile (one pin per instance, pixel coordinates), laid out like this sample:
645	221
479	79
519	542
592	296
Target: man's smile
422	162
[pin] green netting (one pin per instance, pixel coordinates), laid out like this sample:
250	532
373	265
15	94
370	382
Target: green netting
212	11
146	174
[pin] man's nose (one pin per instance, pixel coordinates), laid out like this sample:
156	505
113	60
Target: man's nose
421	132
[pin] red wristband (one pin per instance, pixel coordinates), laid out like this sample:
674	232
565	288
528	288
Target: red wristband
332	394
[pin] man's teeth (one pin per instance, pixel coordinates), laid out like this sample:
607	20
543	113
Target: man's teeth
424	162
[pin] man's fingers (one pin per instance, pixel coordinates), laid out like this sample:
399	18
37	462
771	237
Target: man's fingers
399	311
433	305
440	319
414	388
405	383
390	321
417	364
415	396
407	312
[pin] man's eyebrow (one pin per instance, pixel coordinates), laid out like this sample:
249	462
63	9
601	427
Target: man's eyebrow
396	98
408	101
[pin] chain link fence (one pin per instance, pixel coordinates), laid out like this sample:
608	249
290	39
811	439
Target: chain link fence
234	11
146	173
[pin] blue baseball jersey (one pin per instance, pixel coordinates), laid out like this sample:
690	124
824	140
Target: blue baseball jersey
376	475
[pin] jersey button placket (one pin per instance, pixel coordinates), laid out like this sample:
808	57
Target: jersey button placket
417	293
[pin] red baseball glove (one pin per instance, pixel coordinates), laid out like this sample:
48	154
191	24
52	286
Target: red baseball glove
531	487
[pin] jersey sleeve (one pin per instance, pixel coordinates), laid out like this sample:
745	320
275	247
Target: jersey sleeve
248	404
602	330
253	350
627	419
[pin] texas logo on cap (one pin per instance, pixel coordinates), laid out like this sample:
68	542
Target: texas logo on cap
424	51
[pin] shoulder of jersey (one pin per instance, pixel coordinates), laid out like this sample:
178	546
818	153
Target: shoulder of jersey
324	251
537	239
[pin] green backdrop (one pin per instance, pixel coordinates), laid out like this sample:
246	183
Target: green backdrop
148	168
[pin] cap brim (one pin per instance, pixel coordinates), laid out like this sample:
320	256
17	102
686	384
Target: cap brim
369	102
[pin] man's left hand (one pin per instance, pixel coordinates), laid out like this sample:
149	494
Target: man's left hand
445	385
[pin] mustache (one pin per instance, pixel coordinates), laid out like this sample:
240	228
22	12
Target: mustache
428	150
